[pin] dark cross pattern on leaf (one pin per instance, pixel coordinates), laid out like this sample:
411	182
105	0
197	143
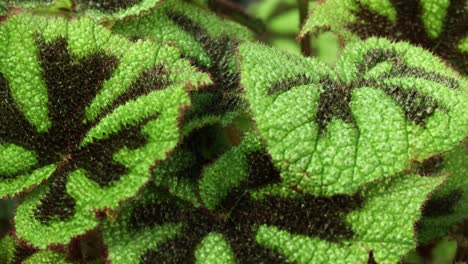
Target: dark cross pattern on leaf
334	100
239	215
71	85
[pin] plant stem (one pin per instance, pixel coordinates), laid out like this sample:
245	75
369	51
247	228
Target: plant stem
303	6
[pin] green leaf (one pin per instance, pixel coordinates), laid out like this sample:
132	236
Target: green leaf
193	29
111	11
449	204
382	107
209	41
214	249
103	110
445	251
173	175
47	257
201	226
227	172
129	237
14	251
7	249
432	24
384	226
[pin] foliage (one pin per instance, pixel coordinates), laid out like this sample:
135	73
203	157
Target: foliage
150	131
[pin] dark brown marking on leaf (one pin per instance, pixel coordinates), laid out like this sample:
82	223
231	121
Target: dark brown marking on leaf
262	171
226	87
409	27
14	127
444	205
416	106
207	143
97	158
22	252
109	5
57	204
238	219
71	84
371	259
400	69
334	102
156	78
87	248
431	166
286	84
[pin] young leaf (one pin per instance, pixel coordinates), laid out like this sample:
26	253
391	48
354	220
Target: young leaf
438	26
382	107
449	204
383	227
102	111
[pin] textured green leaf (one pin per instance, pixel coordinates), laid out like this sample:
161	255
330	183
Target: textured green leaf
207	40
436	25
382	107
449	204
7	249
227	172
379	218
203	222
110	11
128	238
102	111
13	251
173	175
214	249
47	257
210	42
384	226
191	28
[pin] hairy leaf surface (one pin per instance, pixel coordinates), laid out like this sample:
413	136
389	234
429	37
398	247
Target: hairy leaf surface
449	204
384	226
83	109
384	106
439	26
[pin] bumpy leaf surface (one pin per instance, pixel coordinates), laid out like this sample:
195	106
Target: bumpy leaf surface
127	238
439	26
12	251
383	106
7	249
209	41
194	198
47	257
109	11
82	109
449	204
272	229
383	226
